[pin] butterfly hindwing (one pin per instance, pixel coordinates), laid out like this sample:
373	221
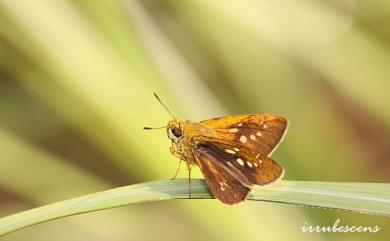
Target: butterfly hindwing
259	132
230	171
224	185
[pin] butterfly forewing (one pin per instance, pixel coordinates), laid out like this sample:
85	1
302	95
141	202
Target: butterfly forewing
224	184
261	133
244	164
228	169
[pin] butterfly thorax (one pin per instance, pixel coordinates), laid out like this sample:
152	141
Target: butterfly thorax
181	132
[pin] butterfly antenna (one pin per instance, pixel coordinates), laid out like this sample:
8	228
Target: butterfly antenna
154	128
158	98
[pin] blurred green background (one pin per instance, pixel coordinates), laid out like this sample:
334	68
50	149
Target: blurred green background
76	84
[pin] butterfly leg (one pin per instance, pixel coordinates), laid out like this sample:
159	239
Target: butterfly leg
189	179
177	171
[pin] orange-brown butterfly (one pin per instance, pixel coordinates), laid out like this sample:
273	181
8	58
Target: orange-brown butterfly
233	152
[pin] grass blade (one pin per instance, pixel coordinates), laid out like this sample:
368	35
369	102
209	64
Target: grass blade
368	198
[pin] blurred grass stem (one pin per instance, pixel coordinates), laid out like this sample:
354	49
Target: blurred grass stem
368	198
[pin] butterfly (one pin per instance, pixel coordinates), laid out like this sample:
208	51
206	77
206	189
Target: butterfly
233	152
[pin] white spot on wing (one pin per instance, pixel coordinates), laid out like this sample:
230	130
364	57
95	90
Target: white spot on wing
243	139
240	124
255	164
240	161
233	130
249	164
236	149
253	137
258	133
230	151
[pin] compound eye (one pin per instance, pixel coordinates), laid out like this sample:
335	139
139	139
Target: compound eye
176	131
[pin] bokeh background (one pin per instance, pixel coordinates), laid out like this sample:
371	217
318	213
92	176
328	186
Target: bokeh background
76	84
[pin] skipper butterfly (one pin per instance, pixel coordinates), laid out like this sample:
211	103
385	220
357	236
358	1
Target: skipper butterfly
233	152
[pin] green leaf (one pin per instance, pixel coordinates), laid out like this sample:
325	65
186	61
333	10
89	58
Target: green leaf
368	198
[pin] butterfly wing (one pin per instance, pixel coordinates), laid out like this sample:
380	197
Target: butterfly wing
230	174
224	184
259	132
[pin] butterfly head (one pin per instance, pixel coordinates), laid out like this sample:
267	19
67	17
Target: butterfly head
175	129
